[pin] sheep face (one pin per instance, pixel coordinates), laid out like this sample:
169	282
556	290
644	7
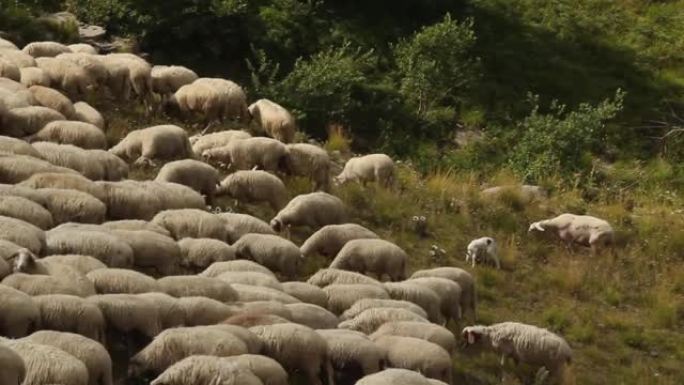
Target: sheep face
536	226
24	261
473	335
276	225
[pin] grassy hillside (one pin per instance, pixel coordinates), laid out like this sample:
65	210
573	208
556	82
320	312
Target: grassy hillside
622	311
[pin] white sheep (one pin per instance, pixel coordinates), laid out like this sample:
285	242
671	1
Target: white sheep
249	293
194	286
12	367
353	355
23	234
91	353
34	76
464	279
115	168
156	142
64	182
91	64
313	316
311	162
274	120
69	313
197	254
67	76
77	283
169	308
524	344
200	142
81	263
374	256
197	175
21	59
267	369
206	370
102	245
368	168
6	44
483	249
26	210
82	48
49	365
330	239
436	334
29	120
198	311
246	154
254	186
72	206
371	319
86	113
238	225
197	99
9	70
367	303
18	147
140	73
315	210
272	251
191	223
16	168
235	107
151	251
174	196
395	376
584	230
253	278
20	314
121	281
401	352
81	134
117	78
126	313
168	79
135	224
45	49
342	296
73	157
47	97
449	293
306	292
422	296
326	277
218	268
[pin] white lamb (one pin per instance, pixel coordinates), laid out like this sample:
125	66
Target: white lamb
483	249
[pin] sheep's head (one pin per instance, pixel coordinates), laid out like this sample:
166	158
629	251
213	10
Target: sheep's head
536	226
276	225
473	334
24	261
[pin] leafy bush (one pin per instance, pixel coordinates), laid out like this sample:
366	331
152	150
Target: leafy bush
561	141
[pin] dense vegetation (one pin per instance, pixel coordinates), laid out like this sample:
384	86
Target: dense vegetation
581	96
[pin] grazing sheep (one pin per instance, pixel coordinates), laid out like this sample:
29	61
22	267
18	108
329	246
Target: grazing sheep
325	277
238	225
269	371
69	313
115	168
330	239
168	79
197	175
45	49
29	120
151	250
16	168
352	355
129	200
49	365
91	353
249	293
83	48
5	268
274	120
375	256
196	254
64	182
584	230
255	186
26	262
252	278
193	286
421	295
73	206
40	284
342	296
395	377
9	70
73	157
197	99
528	193
6	44
173	345
12	367
233	97
191	223
198	311
170	311
18	147
126	313
430	332
462	278
218	268
306	292
101	245
47	97
200	142
449	293
121	281
246	154
265	307
310	161
296	347
69	77
19	58
19	314
314	210
116	79
26	210
9	250
156	142
524	343
139	73
313	316
173	196
484	249
253	343
82	263
86	113
134	225
250	319
368	168
433	361
34	76
276	253
206	370
91	64
368	303
80	134
22	233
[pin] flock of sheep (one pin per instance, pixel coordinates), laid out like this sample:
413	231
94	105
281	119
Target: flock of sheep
93	263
